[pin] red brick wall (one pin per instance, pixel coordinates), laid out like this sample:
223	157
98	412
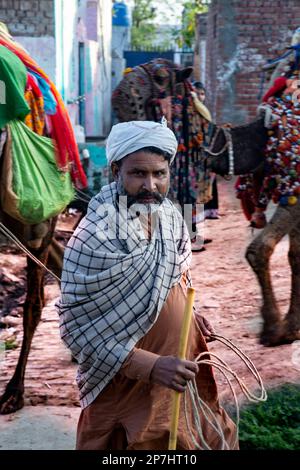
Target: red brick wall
241	36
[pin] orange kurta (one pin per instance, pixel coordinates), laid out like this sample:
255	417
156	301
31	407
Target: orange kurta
131	413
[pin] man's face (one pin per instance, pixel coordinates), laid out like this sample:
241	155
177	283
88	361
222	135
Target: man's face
201	95
143	177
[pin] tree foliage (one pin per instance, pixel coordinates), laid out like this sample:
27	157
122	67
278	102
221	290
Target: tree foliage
185	36
143	26
144	16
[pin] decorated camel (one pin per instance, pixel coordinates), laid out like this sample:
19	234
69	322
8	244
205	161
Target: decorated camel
285	221
160	88
38	153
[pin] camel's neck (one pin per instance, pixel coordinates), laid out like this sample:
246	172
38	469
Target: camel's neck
248	142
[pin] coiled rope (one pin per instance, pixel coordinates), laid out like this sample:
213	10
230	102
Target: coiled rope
200	407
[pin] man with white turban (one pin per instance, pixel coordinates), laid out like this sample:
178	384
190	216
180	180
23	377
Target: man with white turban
124	281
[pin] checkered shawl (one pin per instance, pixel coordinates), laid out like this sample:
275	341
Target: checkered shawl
114	288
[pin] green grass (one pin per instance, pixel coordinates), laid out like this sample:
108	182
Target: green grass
274	424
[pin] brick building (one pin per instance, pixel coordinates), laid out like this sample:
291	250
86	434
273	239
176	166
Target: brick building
32	23
241	36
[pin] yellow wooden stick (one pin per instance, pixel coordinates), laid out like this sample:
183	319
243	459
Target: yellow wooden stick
188	312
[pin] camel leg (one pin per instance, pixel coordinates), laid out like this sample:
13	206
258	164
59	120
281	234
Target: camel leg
12	399
55	258
292	319
258	255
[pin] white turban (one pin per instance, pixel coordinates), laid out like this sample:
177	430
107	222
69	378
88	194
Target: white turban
129	137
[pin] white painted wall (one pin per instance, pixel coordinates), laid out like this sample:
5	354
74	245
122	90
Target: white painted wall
120	42
66	74
90	22
42	50
98	117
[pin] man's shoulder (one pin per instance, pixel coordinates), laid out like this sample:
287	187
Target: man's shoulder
105	196
105	191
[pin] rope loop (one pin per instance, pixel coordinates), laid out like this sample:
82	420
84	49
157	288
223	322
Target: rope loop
201	408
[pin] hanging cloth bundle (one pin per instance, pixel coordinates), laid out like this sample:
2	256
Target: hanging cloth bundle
66	151
13	80
32	188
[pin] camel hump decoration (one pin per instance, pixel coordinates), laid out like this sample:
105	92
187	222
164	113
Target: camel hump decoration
147	85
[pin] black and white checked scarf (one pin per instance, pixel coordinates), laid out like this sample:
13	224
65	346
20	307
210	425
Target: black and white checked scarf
114	287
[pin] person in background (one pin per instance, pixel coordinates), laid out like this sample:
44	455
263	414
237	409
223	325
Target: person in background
210	208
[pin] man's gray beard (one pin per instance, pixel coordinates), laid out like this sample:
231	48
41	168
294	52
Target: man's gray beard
137	208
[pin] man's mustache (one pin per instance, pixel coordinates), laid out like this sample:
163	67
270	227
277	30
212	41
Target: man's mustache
157	197
146	194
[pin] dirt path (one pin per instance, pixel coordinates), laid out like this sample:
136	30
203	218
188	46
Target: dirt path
227	293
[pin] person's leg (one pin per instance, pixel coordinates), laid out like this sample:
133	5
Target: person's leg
229	430
92	432
118	439
97	426
199	240
159	440
212	207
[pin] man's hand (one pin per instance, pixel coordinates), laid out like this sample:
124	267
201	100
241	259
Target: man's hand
205	327
173	373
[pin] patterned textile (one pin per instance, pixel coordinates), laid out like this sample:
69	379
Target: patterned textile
35	120
282	167
45	89
281	182
244	187
115	284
